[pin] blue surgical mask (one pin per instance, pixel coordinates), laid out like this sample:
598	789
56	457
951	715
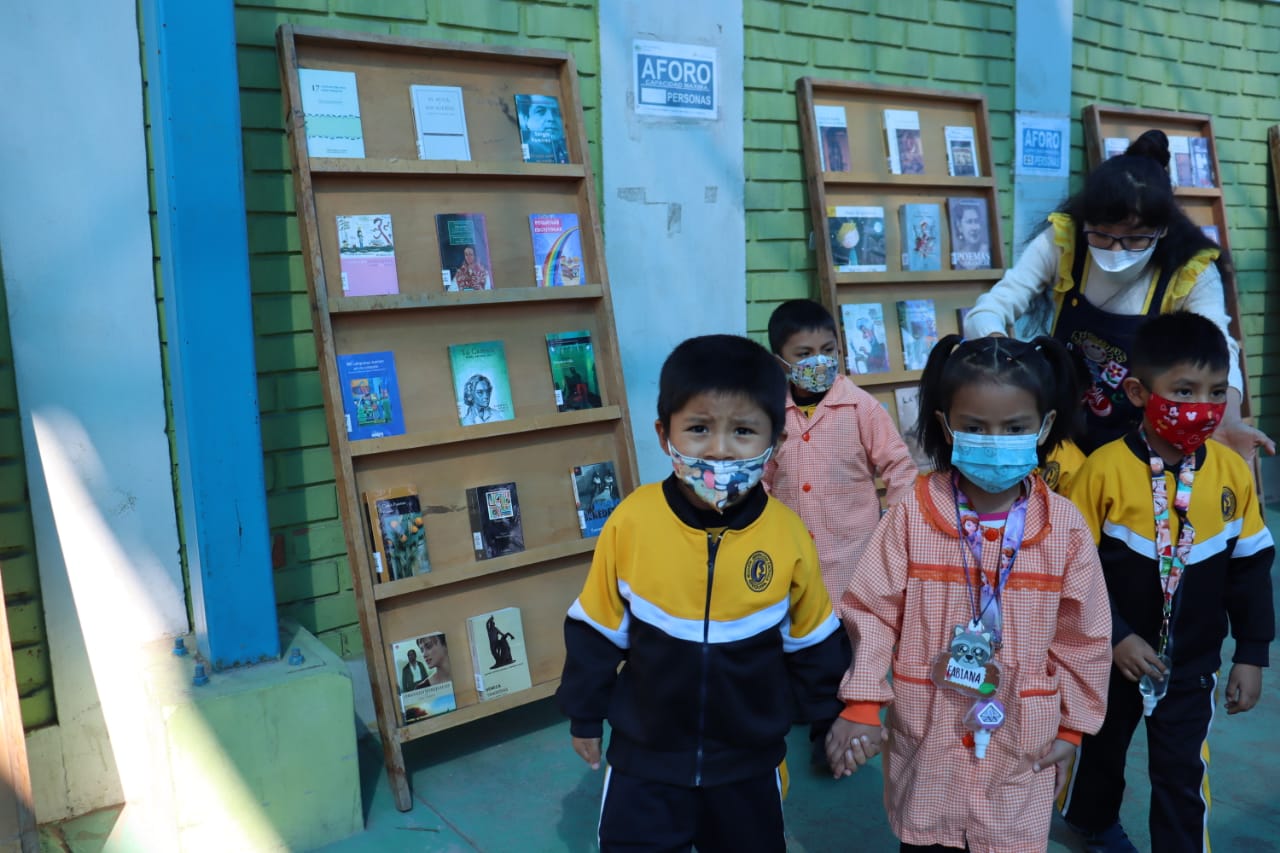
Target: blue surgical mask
720	482
815	374
994	463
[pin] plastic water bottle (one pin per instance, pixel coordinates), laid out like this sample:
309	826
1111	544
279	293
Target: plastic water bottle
1153	687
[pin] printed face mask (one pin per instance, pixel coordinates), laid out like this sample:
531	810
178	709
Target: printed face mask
994	463
1184	425
721	482
1118	260
814	374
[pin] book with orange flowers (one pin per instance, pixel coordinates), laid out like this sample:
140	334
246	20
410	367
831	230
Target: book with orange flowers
398	532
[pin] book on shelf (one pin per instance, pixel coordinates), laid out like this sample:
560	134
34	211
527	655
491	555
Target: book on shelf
331	113
1114	146
595	495
962	151
1211	231
857	238
867	350
918	323
496	528
464	251
1180	161
573	370
424	676
498	654
399	533
557	249
833	137
481	385
970	233
902	132
907	401
541	129
441	122
367	255
1201	166
921	236
370	395
961	313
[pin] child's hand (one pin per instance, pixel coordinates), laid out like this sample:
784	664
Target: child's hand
588	749
1244	686
851	745
1056	756
1134	657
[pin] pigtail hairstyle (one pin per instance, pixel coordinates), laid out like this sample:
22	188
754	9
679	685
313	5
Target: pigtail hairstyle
1043	368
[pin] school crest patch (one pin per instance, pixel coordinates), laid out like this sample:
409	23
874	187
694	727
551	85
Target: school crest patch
758	572
1051	473
1228	504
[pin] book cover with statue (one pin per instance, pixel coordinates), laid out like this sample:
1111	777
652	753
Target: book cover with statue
498	653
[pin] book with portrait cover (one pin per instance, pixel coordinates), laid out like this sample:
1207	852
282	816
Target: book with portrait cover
902	132
370	395
1201	166
496	528
441	122
557	249
480	382
857	238
918	323
367	255
595	494
921	236
573	370
464	251
833	137
864	335
498	656
541	129
331	113
1180	161
970	233
398	532
962	152
908	405
424	676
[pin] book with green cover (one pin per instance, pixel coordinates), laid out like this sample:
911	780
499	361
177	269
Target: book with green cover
481	385
573	370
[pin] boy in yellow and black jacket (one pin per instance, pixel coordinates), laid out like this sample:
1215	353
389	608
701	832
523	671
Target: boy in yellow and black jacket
704	623
1185	555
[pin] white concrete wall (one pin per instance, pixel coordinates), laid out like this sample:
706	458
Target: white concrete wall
674	227
75	241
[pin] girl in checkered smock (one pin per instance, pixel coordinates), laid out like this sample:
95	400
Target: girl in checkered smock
983	593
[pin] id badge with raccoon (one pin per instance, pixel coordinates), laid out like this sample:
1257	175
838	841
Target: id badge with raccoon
967	665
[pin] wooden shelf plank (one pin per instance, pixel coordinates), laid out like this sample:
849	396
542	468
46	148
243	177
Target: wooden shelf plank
401	301
477	711
867	180
435	438
351	166
918	277
480	568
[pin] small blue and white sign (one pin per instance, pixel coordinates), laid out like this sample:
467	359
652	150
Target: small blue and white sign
1043	146
675	80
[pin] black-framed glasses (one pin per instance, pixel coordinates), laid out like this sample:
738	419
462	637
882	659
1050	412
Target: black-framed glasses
1128	242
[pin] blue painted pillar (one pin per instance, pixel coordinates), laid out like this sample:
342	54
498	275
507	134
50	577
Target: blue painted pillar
194	98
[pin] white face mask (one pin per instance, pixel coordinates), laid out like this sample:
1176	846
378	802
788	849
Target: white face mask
1118	260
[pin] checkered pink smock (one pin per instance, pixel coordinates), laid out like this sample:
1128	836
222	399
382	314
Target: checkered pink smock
907	593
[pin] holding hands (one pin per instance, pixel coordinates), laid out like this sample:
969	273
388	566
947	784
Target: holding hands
851	745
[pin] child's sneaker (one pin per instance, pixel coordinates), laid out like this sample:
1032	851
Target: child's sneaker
1111	840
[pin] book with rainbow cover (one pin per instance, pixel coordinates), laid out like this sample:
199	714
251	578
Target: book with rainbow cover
557	249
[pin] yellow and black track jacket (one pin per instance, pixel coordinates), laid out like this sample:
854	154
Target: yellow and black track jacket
1228	576
723	630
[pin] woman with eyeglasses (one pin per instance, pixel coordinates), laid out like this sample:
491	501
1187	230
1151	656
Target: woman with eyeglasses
1113	254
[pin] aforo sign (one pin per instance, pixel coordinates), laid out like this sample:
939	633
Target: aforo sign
675	79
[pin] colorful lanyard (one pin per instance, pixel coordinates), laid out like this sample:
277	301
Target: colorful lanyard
1172	560
986	598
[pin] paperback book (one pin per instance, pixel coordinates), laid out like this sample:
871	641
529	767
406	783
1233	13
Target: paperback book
921	240
464	251
1201	167
595	494
496	529
908	405
370	395
1114	146
1211	231
918	323
441	122
557	249
331	113
480	382
399	533
833	137
857	238
864	335
902	131
573	370
498	653
970	233
424	676
541	129
367	255
962	152
1180	173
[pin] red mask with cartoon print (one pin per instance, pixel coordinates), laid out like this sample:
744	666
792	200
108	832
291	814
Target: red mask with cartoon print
1184	425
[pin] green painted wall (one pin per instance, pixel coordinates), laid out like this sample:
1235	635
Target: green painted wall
313	580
